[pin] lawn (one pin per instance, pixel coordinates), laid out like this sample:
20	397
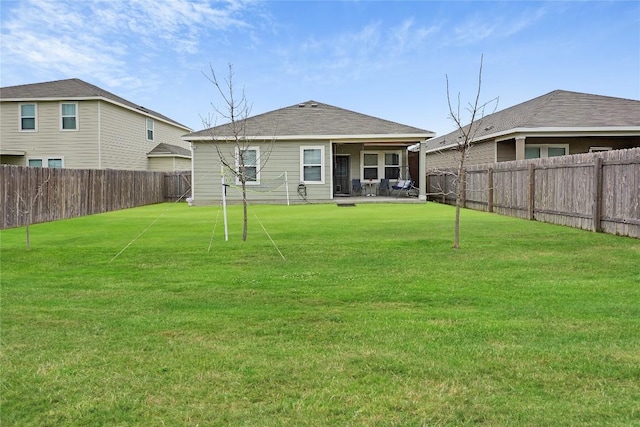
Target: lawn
355	316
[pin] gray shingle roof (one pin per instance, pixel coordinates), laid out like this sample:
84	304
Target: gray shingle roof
163	149
313	118
69	89
557	109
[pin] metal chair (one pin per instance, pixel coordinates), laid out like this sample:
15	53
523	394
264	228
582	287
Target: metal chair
356	187
384	186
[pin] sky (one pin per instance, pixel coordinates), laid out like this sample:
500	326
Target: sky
388	59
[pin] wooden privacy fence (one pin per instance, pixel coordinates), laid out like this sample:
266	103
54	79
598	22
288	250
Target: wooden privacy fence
33	195
177	186
593	191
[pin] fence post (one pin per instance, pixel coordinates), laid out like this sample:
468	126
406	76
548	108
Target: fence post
490	189
597	193
532	189
443	186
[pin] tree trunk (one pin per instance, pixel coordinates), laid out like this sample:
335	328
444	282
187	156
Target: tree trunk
456	232
245	218
459	189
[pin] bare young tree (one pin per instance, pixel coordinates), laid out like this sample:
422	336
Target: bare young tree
233	145
25	207
464	142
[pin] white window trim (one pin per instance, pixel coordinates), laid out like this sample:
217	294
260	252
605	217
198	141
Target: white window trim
77	116
544	148
381	163
35	117
237	157
153	129
45	160
322	163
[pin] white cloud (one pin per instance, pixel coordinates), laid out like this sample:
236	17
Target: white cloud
407	36
351	55
104	39
480	27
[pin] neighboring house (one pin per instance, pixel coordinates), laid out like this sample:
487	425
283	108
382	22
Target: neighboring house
554	124
74	124
321	148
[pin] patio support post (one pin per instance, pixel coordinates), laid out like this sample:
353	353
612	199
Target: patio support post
422	168
520	147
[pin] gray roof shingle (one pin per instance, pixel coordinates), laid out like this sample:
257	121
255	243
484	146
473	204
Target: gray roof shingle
557	109
169	150
313	118
73	88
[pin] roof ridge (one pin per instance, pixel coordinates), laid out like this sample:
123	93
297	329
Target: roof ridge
543	100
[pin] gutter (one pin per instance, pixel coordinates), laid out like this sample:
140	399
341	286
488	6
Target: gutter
550	132
333	138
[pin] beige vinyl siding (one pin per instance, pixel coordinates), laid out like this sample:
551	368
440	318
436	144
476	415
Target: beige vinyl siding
124	138
285	156
107	136
478	154
168	134
78	149
482	153
169	164
124	141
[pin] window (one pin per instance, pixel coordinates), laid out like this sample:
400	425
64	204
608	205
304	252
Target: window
150	129
380	164
532	152
556	151
52	162
392	165
27	117
312	165
69	115
542	151
370	166
250	157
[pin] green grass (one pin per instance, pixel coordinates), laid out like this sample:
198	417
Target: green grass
371	319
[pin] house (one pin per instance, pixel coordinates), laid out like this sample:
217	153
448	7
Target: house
314	152
74	124
555	124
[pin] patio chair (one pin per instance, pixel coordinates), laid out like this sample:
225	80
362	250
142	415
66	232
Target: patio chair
384	186
356	187
405	186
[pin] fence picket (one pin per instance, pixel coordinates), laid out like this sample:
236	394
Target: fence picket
47	194
593	191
